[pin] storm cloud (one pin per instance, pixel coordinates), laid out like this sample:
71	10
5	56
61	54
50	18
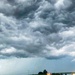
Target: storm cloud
37	28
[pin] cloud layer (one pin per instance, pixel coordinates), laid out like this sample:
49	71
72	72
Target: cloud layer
37	28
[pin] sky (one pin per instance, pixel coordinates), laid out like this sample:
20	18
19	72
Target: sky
37	35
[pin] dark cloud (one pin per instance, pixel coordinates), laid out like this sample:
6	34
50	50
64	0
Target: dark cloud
37	28
27	11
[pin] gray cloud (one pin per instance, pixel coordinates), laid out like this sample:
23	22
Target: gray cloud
37	28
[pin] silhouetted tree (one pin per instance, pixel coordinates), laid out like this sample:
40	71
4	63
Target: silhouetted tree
40	73
44	72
